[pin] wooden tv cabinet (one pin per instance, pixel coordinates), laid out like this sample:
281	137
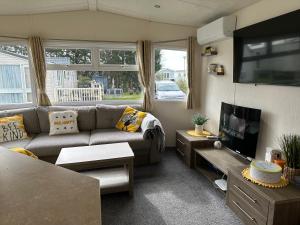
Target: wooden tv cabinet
255	204
222	159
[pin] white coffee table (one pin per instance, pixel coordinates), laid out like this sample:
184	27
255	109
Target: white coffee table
112	164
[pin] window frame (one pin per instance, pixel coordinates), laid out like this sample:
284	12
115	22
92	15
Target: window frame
13	41
95	55
95	64
163	46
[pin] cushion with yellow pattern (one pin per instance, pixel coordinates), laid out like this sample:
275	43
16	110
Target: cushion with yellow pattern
131	120
12	128
63	122
24	151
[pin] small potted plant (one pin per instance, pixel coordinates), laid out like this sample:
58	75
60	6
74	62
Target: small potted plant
199	122
290	144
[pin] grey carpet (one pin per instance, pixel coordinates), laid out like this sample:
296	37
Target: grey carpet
165	194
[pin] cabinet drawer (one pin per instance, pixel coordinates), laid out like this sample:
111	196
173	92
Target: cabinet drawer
250	196
248	214
184	149
180	146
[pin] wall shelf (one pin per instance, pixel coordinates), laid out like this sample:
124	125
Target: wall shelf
209	51
216	69
209	54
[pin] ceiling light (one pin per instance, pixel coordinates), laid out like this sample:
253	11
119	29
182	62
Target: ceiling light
157	6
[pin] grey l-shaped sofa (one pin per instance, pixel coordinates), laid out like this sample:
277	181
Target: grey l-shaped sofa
96	125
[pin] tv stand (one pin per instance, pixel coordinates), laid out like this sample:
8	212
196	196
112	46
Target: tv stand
222	159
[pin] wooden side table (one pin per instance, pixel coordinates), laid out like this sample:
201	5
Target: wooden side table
185	144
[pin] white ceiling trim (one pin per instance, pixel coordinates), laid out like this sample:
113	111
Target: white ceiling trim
181	12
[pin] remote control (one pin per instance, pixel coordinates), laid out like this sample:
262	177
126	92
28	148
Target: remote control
212	137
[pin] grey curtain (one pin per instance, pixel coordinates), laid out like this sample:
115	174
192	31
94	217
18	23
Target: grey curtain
39	63
191	70
144	61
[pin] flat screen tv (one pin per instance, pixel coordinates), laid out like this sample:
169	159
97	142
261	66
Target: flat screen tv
239	128
269	52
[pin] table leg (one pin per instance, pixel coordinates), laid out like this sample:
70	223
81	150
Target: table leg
130	173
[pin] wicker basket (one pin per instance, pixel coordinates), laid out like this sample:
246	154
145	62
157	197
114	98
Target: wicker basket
290	173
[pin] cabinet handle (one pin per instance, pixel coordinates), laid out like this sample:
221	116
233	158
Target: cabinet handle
180	152
244	193
243	211
180	142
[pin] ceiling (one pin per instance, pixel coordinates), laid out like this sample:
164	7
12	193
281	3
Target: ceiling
183	12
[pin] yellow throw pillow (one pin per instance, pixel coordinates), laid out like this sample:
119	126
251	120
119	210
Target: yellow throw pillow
131	120
12	128
23	151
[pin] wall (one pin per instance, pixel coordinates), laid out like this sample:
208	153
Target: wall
280	105
84	25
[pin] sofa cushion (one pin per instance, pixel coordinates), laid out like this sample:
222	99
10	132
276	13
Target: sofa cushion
44	145
18	143
107	116
106	136
3	148
86	116
31	121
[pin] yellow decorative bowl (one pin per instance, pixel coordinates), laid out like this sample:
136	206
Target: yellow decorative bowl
202	134
282	183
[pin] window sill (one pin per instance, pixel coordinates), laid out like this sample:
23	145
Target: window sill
104	102
16	106
169	100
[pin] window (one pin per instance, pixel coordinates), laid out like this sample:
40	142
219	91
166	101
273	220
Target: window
170	74
95	73
15	79
67	56
121	57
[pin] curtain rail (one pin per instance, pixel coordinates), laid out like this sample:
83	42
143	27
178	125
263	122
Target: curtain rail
13	37
158	42
129	42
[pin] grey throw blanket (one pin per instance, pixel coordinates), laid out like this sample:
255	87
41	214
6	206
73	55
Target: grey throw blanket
152	129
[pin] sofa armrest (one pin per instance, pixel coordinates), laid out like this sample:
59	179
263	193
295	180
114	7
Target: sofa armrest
149	123
152	129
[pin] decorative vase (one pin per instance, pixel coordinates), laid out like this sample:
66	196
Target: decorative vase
280	162
198	129
290	173
218	144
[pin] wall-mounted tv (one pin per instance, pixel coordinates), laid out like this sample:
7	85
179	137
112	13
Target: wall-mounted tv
269	52
239	128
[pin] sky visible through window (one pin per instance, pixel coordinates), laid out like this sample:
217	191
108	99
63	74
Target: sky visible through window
173	59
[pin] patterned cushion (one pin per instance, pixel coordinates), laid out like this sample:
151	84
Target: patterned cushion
131	120
23	151
63	122
30	118
107	116
12	128
86	119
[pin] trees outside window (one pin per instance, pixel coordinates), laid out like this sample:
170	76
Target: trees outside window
95	73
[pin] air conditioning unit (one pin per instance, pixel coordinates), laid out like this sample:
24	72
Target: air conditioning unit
217	30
